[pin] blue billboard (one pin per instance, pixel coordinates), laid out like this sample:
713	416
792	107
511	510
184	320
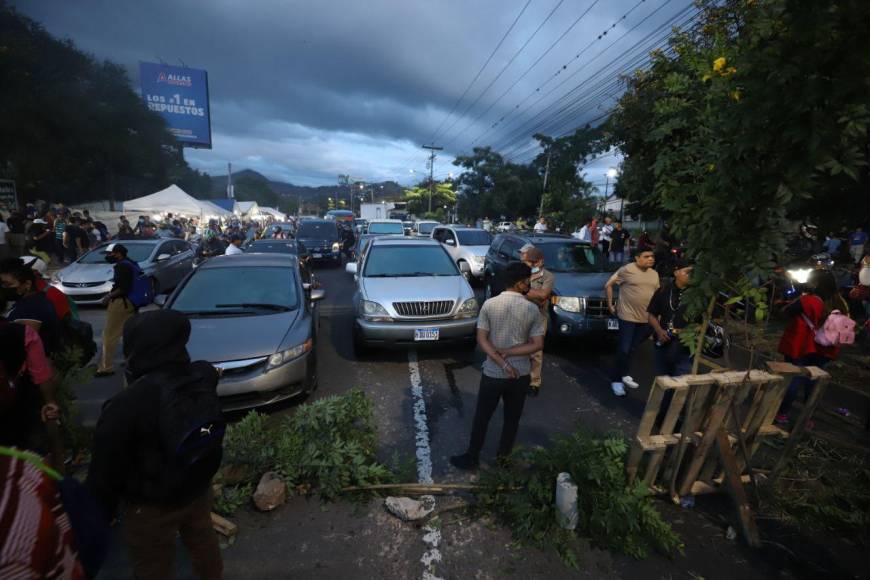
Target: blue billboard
179	95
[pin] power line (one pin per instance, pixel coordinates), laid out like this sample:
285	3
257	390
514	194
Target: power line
477	76
529	69
501	72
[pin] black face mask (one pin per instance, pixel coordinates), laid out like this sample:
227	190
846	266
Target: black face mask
111	259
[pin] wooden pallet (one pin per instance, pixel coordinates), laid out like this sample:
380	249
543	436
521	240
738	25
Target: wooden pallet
698	433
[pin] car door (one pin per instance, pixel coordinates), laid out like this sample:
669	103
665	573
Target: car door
451	244
184	257
507	252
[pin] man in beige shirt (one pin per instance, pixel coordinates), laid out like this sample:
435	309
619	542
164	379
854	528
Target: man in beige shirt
541	290
637	283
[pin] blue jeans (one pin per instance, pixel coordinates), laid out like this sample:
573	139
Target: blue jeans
673	359
631	334
801	382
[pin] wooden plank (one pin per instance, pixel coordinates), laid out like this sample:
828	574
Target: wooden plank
670	421
801	424
223	526
653	404
713	422
734	483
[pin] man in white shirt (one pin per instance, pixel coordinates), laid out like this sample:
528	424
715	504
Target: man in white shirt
233	248
541	226
606	233
585	233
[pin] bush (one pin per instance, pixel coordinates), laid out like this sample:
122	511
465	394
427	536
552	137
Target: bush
611	514
247	444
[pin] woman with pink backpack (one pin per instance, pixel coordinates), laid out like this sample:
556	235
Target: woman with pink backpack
818	324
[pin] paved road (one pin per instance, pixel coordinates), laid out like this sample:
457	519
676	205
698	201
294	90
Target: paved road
434	390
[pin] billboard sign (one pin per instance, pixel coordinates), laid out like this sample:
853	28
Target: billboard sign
179	95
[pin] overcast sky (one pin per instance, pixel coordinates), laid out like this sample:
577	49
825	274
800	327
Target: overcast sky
302	91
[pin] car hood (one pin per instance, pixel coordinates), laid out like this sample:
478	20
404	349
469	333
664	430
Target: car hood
476	250
389	290
580	284
76	273
219	339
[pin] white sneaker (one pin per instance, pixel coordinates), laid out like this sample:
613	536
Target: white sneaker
618	389
630	382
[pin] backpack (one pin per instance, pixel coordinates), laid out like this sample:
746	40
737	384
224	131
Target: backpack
141	294
191	428
838	329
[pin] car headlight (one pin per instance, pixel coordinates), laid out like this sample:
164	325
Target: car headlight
468	309
570	303
336	246
375	312
55	278
801	275
285	356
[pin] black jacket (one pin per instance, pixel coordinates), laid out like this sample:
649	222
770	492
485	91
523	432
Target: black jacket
128	459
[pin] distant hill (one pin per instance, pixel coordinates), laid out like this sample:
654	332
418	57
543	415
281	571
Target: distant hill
390	190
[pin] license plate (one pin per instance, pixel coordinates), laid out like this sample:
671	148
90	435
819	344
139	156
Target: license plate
318	255
427	334
612	324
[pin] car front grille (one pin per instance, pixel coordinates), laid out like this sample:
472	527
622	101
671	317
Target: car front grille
597	308
82	284
85	297
423	309
239	367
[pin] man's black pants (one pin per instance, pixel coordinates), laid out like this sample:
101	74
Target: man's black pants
513	392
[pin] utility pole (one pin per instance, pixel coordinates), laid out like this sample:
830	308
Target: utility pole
432	149
230	190
544	189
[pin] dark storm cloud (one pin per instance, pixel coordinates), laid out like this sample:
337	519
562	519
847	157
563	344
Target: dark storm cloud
305	90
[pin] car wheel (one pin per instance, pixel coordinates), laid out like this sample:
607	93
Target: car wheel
360	349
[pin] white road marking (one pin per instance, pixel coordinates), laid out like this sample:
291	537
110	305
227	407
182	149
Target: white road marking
432	535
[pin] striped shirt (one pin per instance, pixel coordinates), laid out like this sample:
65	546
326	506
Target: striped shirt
511	321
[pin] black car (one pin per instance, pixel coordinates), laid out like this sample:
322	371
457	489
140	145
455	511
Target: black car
579	304
293	247
322	239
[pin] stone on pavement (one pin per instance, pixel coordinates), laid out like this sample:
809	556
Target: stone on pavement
270	493
408	509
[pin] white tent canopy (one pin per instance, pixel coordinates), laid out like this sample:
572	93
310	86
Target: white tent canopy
210	209
173	199
247	208
273	212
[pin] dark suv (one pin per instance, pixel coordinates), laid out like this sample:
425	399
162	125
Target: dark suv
579	304
321	238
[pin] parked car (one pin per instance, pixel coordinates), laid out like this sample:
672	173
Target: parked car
409	291
322	240
505	227
465	245
291	247
579	305
424	228
286	228
340	215
359	225
385	227
408	225
89	279
253	317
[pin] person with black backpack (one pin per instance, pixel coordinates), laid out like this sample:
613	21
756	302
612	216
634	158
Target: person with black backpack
157	445
130	291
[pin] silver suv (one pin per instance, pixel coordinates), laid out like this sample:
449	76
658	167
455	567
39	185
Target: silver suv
409	291
465	245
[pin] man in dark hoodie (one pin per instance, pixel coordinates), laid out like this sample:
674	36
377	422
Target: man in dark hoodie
142	448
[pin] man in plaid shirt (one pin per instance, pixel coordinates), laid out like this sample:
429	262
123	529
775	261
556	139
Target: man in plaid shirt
509	329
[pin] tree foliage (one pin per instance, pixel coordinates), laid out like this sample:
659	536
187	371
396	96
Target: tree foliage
73	129
758	111
418	197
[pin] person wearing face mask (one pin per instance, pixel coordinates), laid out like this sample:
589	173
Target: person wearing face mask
667	317
541	288
118	306
30	306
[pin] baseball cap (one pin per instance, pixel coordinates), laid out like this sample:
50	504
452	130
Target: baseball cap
39	221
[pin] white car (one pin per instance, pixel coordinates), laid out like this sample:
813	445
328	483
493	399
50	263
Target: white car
465	245
505	227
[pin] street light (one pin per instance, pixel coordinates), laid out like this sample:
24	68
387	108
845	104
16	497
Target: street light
611	174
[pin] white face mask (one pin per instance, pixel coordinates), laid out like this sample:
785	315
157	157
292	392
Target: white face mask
535	269
864	275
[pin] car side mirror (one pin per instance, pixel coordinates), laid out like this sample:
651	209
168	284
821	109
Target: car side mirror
464	267
160	300
317	295
350	268
306	286
450	242
163	257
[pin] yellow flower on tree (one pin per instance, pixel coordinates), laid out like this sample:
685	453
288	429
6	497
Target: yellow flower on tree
736	95
706	77
719	64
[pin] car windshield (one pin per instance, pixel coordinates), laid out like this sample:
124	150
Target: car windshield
426	228
135	252
408	261
239	290
272	248
474	238
386	228
575	258
317	230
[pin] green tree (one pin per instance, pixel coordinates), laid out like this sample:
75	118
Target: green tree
758	112
418	197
